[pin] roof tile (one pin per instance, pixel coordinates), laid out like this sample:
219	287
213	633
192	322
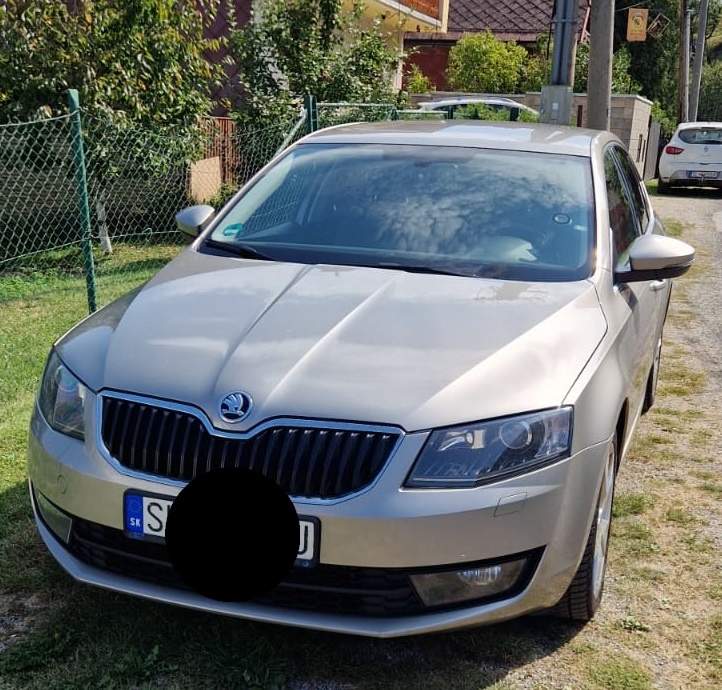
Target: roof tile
505	16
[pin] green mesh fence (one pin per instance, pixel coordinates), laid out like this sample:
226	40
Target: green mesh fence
38	203
137	180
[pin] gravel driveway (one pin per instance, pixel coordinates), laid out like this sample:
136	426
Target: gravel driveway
701	213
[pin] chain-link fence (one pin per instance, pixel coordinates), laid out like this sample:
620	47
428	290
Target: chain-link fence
114	232
112	227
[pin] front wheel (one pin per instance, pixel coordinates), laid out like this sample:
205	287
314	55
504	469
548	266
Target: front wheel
581	601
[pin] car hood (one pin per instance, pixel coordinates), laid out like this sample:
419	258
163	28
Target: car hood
338	342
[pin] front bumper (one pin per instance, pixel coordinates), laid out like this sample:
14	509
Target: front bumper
383	532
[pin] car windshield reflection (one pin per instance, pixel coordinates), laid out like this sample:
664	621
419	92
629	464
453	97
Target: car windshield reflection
465	211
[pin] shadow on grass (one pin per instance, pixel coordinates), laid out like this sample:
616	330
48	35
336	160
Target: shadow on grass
684	192
81	637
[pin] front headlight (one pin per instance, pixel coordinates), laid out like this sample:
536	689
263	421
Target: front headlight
472	454
62	398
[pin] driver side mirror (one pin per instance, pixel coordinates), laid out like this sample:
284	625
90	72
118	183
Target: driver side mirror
194	219
656	257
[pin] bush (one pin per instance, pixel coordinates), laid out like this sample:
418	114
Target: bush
483	64
418	82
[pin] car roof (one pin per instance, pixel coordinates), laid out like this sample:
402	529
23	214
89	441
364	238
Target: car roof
463	100
517	136
470	99
699	125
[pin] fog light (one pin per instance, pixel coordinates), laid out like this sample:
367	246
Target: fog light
481	581
481	577
57	521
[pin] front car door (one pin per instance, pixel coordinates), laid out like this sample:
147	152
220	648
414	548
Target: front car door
638	308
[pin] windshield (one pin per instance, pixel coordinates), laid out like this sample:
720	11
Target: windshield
466	211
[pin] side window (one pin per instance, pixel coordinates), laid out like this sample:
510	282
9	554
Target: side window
622	213
629	171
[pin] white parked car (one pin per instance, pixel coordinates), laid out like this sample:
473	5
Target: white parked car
692	158
437	338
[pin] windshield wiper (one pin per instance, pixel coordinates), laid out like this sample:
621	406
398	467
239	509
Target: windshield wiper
244	250
414	268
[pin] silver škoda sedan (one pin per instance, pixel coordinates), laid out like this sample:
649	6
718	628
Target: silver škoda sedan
436	338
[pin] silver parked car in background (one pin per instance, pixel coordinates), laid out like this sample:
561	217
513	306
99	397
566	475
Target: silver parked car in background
471	107
436	337
692	157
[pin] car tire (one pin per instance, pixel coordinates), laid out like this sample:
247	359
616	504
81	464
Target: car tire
651	390
662	187
581	601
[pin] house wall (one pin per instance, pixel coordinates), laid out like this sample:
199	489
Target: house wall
432	58
629	119
430	52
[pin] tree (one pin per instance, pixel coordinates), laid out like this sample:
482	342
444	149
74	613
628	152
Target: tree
482	63
653	63
710	95
296	47
714	13
139	60
622	80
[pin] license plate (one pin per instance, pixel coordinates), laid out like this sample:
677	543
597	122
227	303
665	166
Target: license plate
145	517
702	174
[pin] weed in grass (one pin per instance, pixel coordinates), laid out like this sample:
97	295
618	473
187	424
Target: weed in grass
713	488
675	228
35	652
698	544
705	475
634	538
630	504
630	623
646	573
618	672
709	650
682	382
679	516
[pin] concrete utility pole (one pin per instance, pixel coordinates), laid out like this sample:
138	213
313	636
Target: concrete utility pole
698	57
565	29
556	99
599	79
683	102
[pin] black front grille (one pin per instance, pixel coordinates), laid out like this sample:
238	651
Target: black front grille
312	462
323	588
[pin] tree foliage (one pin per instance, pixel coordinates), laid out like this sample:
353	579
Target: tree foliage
622	80
710	93
653	63
296	47
481	63
417	81
139	60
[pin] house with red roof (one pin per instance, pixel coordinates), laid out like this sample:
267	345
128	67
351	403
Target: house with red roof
522	21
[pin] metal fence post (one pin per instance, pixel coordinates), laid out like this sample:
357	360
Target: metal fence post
81	187
309	101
